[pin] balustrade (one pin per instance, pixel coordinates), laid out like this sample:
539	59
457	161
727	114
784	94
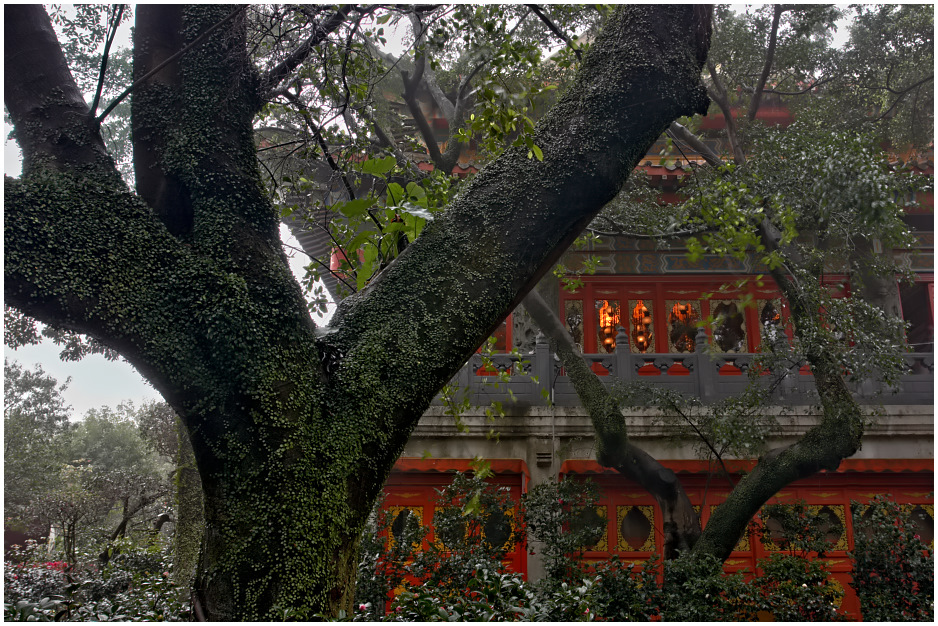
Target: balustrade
538	378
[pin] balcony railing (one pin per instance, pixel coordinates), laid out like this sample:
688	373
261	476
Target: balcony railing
538	379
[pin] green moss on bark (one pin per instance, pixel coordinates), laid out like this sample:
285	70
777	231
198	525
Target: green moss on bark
190	520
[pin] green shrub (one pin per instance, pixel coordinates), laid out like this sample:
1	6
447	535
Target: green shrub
563	517
624	593
894	570
697	589
135	586
796	589
462	577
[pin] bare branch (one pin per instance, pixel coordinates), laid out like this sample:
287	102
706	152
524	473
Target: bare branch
631	235
304	112
910	87
344	72
813	85
321	30
717	93
681	133
553	28
325	265
769	60
445	161
411	83
385	140
902	94
447	107
104	57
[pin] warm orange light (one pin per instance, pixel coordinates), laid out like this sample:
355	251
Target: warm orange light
641	323
608	315
608	321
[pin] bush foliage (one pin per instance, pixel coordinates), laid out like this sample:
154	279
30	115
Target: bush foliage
134	586
461	575
893	569
794	584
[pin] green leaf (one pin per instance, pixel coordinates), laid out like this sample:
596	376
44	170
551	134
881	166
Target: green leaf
378	167
367	267
395	194
416	191
354	208
537	152
472	506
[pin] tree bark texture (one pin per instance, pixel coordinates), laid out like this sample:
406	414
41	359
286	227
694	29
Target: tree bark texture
190	519
295	428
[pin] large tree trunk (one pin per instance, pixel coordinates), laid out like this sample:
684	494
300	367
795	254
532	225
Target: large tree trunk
294	429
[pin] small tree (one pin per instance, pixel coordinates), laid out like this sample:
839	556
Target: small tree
35	418
893	569
71	508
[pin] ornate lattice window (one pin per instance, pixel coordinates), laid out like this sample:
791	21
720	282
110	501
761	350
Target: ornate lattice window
729	326
834	526
573	320
404	518
682	325
593	518
636	528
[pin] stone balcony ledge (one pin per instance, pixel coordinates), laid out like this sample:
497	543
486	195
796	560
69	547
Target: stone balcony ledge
538	379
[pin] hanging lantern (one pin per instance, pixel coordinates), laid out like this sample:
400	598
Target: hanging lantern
641	324
608	321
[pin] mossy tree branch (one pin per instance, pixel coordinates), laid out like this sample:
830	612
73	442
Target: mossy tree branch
837	435
294	431
591	140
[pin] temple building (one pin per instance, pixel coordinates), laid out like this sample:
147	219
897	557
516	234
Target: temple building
638	318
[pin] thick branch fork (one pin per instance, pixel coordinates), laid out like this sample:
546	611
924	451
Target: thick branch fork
295	428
